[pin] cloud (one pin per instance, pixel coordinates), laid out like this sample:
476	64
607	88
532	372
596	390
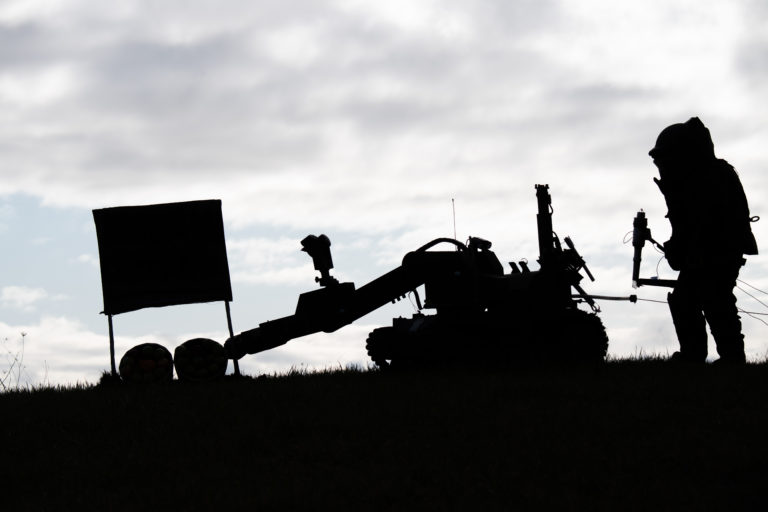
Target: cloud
268	261
222	99
21	297
315	352
392	106
55	350
6	215
362	120
59	350
88	259
750	56
38	88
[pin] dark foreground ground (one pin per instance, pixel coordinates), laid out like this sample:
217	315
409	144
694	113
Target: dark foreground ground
622	436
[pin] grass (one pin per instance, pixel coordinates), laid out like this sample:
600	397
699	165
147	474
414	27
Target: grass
14	374
629	435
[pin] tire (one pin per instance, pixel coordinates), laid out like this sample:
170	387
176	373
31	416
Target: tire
379	345
570	336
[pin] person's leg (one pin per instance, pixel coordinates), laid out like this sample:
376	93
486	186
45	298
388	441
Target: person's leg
685	306
722	315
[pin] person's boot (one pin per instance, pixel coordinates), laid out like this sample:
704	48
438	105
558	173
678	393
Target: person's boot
730	361
691	330
683	358
724	322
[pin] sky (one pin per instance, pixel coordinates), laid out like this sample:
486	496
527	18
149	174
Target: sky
365	121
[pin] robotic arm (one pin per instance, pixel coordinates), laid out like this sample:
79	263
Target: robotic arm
327	309
640	234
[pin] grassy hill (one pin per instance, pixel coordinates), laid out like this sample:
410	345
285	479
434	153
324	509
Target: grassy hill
624	435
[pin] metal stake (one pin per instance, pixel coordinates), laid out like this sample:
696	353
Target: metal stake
231	334
112	346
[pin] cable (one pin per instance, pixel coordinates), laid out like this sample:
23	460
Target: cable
652	300
410	299
758	300
753	316
753	287
598	297
630	298
750	313
634	298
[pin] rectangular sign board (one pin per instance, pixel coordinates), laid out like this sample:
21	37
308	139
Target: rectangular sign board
162	255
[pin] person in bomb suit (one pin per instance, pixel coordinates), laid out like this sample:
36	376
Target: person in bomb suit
711	233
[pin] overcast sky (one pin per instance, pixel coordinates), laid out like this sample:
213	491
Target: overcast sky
360	120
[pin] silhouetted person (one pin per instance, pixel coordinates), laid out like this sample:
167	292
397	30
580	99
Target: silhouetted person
711	233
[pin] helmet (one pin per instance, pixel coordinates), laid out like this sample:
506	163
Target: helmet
688	140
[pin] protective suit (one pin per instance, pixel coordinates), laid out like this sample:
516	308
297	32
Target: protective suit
711	233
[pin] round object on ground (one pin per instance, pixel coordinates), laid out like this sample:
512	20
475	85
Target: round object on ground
147	363
200	360
576	336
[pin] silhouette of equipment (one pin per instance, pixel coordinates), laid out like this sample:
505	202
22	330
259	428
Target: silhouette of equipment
162	255
641	234
319	248
481	313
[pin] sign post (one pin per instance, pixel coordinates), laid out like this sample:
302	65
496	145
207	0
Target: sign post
162	255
